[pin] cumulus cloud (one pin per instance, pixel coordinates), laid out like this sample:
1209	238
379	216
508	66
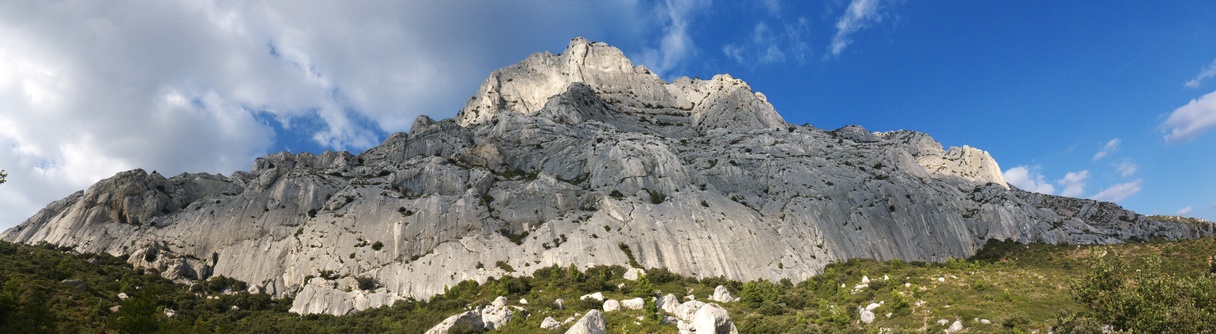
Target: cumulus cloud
1184	211
1110	147
1126	168
1119	192
1192	119
1073	183
1028	179
859	15
1204	74
90	89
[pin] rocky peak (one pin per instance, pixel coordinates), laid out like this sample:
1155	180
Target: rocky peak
588	71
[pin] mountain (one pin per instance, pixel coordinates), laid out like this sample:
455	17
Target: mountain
578	158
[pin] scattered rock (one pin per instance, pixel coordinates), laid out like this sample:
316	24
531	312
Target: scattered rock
956	327
170	312
549	324
496	315
122	296
523	301
559	304
633	273
722	295
634	304
669	303
470	320
986	321
591	323
598	296
612	305
711	318
943	322
867	316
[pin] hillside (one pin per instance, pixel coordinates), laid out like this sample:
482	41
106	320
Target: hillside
558	161
1017	288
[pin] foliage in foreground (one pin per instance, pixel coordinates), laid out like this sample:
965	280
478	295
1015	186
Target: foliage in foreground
1143	287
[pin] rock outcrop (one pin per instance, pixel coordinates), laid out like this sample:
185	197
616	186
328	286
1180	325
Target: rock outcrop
560	160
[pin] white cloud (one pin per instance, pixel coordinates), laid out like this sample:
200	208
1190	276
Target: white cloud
1119	192
1206	72
1184	211
1190	120
675	44
768	45
1073	183
859	15
1110	147
90	89
1126	168
1027	179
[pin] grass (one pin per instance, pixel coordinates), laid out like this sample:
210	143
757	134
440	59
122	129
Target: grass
1019	288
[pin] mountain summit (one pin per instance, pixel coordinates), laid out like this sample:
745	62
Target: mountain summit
579	158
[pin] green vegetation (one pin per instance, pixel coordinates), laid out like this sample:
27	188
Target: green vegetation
3	176
1149	287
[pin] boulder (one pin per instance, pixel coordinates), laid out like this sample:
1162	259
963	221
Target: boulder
669	303
867	316
470	320
549	324
612	305
495	316
712	318
598	296
591	323
634	304
955	327
722	295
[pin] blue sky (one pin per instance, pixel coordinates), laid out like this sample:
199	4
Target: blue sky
1110	100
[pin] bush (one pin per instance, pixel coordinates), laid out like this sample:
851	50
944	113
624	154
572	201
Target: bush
367	283
1149	300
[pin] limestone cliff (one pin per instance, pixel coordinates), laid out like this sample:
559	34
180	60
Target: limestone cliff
561	159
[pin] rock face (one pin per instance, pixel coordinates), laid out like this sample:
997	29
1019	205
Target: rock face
558	160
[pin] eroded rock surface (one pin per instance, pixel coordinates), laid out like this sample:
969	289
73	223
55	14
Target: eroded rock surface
561	159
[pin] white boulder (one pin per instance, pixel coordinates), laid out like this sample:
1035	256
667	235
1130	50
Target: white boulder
722	295
634	304
469	319
612	305
712	318
591	323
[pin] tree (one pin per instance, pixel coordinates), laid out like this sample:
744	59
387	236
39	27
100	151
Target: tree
3	176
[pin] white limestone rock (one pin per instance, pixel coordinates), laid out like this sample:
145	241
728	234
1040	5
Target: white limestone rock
722	295
550	324
669	303
469	319
955	327
598	296
612	305
634	303
867	316
590	323
496	314
712	318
